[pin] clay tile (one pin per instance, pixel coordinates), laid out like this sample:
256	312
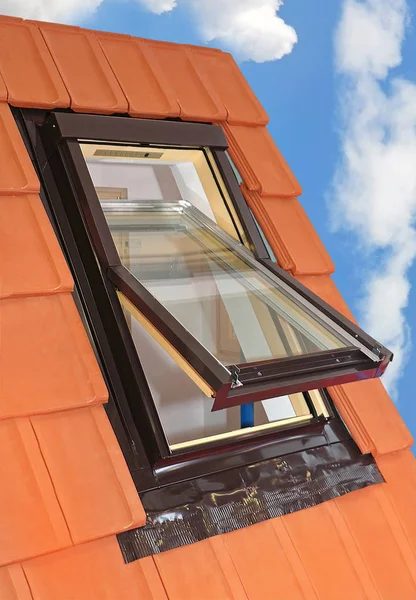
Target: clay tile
182	571
243	108
91	479
324	287
380	541
141	79
93	571
84	69
259	545
13	584
30	75
47	362
260	162
195	95
290	233
17	174
371	416
32	522
39	266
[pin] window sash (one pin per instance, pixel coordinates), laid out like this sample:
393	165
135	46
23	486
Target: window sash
365	358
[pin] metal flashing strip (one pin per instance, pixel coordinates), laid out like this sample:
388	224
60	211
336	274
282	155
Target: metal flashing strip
190	511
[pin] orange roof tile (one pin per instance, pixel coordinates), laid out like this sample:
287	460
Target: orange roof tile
17	174
260	163
93	571
142	79
38	267
93	468
13	584
45	337
63	466
27	67
196	97
32	521
220	69
84	69
297	246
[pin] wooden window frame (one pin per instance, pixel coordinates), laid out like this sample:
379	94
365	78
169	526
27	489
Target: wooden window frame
53	140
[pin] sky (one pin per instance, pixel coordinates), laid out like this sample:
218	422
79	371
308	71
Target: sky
338	80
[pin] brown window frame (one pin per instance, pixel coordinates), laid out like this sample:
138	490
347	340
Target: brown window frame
53	143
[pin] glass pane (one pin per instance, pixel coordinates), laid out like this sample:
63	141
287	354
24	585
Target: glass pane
184	411
233	309
158	174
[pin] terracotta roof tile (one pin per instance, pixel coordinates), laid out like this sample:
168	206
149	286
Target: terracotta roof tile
260	162
31	261
243	107
93	571
17	174
196	573
90	477
13	584
371	416
47	362
325	555
378	543
324	287
196	97
296	244
399	471
84	69
32	522
142	79
29	72
262	564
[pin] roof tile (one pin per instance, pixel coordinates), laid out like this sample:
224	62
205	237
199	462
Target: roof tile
17	174
262	564
377	541
91	478
34	523
322	551
31	261
195	572
93	571
371	416
296	244
399	471
142	79
243	107
324	287
196	97
13	584
29	72
84	69
260	162
47	362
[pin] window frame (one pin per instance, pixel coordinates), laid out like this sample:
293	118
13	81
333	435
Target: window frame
279	376
147	452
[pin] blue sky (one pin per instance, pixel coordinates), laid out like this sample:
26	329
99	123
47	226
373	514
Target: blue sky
342	107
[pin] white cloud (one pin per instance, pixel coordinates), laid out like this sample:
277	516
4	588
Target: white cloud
251	29
158	6
62	11
374	193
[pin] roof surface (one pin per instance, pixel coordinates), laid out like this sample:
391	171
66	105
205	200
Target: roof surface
66	490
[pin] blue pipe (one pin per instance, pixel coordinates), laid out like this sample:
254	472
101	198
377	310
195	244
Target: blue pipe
247	415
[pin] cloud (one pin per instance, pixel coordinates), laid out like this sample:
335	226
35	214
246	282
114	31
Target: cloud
251	29
374	191
63	11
